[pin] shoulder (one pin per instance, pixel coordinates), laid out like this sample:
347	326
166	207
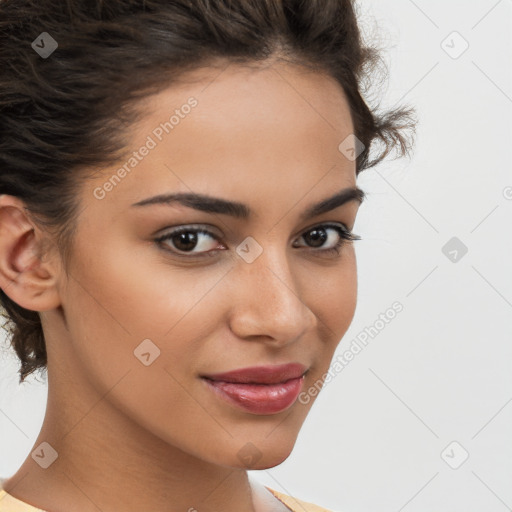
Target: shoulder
9	503
295	504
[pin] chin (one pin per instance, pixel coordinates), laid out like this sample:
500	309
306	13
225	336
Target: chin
270	462
264	453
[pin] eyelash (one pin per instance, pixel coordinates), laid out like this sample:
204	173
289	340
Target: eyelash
345	236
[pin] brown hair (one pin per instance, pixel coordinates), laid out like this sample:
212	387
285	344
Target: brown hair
69	112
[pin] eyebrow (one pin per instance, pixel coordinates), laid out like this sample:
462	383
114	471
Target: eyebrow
238	210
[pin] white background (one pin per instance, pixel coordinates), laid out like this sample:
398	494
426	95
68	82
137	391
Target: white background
441	371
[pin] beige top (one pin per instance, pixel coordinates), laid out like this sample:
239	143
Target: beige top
9	503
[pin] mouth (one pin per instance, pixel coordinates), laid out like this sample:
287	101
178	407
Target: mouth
259	390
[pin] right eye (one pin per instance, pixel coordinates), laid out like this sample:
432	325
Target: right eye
186	239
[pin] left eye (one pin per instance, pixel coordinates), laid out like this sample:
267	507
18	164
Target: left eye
186	239
340	235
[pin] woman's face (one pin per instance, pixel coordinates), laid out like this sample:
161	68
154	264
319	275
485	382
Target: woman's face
144	321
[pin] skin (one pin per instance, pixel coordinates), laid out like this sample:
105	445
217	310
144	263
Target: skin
133	437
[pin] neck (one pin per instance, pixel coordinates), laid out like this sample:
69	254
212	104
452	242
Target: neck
108	462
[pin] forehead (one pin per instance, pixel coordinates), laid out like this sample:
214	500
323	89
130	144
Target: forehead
236	131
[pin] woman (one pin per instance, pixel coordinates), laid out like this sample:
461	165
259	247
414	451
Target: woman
177	197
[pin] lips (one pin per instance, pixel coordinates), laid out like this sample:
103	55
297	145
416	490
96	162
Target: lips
259	389
261	374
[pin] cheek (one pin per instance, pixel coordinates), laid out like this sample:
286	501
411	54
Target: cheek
118	305
130	305
335	296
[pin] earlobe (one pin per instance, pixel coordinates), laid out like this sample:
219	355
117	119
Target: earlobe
27	276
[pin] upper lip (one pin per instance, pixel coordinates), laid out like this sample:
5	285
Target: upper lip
261	374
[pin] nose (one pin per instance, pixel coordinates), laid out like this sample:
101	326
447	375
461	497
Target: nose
268	302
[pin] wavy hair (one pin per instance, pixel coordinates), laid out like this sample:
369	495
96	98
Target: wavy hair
65	115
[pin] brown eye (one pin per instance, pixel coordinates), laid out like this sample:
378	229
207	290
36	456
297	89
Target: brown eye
316	237
332	235
186	239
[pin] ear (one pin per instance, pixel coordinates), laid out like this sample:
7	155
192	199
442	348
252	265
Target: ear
28	276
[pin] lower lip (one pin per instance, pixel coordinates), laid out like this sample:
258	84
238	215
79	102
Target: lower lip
259	398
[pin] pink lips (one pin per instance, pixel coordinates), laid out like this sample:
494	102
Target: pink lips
259	389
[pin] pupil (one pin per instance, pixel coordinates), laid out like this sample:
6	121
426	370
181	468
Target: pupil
318	239
188	238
